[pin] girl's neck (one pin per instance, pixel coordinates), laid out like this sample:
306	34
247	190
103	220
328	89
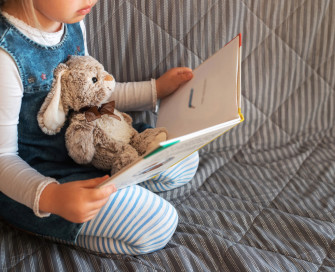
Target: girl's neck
46	24
42	23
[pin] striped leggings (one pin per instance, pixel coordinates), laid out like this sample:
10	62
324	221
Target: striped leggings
135	220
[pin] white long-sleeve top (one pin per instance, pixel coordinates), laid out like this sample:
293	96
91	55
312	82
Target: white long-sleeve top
18	180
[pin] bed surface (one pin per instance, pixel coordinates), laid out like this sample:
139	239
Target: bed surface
263	198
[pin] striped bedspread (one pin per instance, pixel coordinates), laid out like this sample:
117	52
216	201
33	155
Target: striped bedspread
263	198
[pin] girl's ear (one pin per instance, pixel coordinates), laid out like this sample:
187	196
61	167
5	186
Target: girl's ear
51	116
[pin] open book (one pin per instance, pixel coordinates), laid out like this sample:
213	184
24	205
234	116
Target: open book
198	112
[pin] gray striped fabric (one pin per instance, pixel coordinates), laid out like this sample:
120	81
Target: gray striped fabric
264	195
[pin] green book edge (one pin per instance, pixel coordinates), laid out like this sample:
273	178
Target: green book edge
159	149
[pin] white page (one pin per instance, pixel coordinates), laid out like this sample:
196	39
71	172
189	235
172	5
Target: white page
214	89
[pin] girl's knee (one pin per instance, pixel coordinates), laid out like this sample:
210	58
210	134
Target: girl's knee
159	233
176	176
135	221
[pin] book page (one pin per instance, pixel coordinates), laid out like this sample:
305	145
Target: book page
209	99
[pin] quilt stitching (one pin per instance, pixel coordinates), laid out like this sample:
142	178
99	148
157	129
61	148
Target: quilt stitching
21	260
304	60
293	91
217	251
327	255
267	207
202	227
180	42
317	70
183	45
270	202
297	174
297	7
157	259
191	29
269	116
288	181
296	53
283	103
101	26
163	30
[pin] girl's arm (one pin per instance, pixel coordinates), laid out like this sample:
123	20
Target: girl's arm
77	201
140	96
131	96
21	182
17	179
135	96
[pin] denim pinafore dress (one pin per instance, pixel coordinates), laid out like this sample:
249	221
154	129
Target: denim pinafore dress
47	154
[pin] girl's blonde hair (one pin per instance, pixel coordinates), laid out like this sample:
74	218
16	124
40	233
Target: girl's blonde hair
27	7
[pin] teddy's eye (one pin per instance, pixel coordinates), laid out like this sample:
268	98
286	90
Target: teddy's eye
94	79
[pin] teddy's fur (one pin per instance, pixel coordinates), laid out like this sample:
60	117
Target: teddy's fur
107	143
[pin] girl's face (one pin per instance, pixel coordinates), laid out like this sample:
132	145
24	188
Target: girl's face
52	13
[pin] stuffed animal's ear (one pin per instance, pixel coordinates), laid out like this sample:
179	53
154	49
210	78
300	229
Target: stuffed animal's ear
51	116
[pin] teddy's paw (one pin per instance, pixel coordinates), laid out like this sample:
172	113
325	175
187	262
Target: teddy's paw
161	137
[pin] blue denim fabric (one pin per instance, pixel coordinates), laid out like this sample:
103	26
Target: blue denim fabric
47	154
140	127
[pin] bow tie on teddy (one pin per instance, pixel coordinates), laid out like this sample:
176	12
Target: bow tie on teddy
93	112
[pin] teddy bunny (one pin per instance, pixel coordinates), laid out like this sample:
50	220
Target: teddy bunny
98	134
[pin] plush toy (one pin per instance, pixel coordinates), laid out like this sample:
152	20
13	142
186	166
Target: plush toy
98	134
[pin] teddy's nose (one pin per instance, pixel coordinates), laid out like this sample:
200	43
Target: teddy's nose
109	78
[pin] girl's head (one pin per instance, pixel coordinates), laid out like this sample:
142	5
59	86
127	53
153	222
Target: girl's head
48	15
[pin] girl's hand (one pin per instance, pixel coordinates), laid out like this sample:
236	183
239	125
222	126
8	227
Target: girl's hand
171	80
77	201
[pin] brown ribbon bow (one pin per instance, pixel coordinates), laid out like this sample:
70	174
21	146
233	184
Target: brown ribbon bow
93	112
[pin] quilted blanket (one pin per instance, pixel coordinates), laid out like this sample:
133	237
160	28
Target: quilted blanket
263	198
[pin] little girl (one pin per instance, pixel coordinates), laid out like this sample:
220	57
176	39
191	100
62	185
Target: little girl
42	190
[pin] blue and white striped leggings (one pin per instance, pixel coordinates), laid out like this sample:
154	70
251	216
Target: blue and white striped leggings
135	220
